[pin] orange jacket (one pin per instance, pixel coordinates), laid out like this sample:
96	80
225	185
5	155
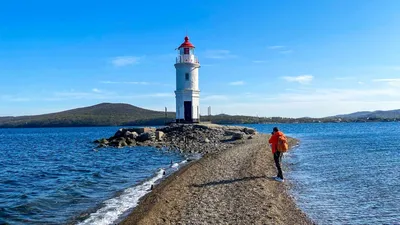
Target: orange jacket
274	141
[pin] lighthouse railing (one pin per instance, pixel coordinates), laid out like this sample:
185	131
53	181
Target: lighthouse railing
187	59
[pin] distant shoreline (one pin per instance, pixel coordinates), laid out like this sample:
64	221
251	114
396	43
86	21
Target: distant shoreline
204	191
119	114
161	124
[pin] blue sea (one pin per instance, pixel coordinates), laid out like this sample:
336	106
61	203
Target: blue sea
54	176
339	174
345	173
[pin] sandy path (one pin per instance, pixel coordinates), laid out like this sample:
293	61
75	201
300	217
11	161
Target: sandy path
231	187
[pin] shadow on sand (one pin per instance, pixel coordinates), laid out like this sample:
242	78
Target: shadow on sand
231	181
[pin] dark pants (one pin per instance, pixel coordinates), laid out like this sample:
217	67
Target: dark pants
277	159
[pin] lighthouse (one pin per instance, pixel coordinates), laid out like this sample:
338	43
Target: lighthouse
187	91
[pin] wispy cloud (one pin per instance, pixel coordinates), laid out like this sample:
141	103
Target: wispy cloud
125	60
297	103
103	95
276	47
12	98
96	90
219	54
286	52
395	82
260	61
281	49
126	82
302	79
237	83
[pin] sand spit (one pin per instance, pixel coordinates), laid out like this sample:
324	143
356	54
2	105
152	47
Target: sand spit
228	187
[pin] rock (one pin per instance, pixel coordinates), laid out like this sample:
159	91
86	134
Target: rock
102	145
122	143
131	142
185	138
119	133
102	141
120	139
199	126
237	136
145	137
159	135
229	132
141	130
249	130
132	135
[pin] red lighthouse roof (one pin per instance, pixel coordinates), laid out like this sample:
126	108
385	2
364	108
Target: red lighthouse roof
186	44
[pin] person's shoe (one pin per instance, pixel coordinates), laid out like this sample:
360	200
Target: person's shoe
279	179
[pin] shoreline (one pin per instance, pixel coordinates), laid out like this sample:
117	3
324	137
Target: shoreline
188	195
137	192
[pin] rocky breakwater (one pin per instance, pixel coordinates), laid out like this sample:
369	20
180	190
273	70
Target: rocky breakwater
186	138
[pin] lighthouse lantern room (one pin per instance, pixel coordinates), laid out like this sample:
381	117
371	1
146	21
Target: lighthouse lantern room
187	92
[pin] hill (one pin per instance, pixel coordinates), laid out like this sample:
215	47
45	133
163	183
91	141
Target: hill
118	114
390	114
105	114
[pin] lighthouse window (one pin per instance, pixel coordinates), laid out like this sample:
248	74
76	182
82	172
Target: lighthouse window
187	76
186	51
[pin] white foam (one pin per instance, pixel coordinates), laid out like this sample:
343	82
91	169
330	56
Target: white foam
117	206
175	165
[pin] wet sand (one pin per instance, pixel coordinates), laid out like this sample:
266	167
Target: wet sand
230	187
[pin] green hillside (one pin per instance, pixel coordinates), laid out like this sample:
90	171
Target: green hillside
105	114
117	114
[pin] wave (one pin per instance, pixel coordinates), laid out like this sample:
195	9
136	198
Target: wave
117	207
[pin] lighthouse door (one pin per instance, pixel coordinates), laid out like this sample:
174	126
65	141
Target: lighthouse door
188	111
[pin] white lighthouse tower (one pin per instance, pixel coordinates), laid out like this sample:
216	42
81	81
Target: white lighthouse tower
187	92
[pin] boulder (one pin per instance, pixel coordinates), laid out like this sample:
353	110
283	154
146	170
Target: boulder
102	141
122	143
249	130
145	137
141	130
159	135
120	139
207	140
229	132
132	135
102	145
199	126
237	136
120	133
131	142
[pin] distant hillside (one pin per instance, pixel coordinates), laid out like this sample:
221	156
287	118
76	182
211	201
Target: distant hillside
105	114
112	114
391	114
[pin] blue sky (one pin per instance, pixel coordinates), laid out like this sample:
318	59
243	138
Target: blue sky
268	58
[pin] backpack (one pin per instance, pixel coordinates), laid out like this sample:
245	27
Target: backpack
282	144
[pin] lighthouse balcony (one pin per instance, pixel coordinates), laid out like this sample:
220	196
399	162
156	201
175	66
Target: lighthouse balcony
187	59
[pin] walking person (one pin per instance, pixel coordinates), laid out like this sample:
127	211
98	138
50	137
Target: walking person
274	139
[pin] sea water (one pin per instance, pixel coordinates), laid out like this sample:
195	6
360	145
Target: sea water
344	173
341	173
55	176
